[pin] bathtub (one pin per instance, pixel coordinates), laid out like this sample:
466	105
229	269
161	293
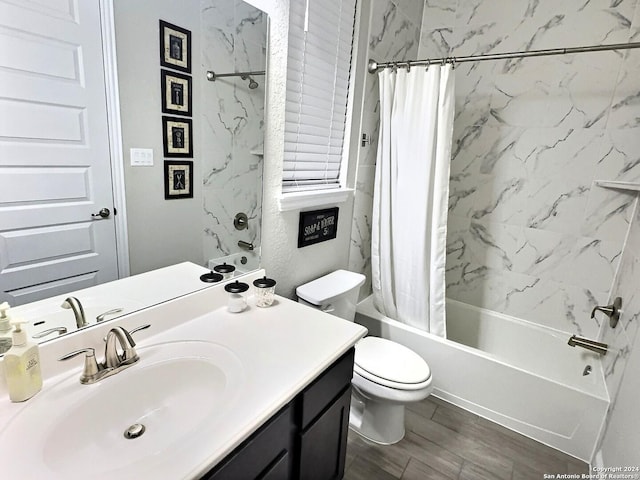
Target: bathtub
515	373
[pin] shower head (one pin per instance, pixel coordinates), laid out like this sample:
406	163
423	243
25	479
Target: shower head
252	83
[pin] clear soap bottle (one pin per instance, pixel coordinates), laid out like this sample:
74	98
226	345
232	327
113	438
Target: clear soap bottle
22	366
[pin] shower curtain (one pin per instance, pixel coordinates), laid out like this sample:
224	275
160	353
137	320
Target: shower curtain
411	195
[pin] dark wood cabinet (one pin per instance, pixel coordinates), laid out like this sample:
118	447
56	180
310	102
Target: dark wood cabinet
323	446
305	440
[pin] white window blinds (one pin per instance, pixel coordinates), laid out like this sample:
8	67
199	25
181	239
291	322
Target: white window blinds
320	40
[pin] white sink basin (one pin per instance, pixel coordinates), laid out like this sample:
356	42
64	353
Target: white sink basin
178	391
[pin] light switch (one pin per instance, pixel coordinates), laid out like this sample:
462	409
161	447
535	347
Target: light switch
141	157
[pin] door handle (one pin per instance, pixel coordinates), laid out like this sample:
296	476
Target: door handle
103	213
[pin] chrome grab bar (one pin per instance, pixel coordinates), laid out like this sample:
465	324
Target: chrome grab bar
597	347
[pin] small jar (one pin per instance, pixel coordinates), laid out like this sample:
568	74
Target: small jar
265	291
237	300
225	270
211	277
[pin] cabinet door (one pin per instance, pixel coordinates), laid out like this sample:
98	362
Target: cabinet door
323	444
265	455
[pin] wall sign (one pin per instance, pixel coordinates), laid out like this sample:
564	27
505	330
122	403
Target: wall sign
317	226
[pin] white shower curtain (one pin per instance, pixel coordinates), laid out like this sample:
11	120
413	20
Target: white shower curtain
411	195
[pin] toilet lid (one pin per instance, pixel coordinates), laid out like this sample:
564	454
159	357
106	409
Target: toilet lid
388	363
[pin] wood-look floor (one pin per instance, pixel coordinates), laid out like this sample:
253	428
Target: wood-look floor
444	442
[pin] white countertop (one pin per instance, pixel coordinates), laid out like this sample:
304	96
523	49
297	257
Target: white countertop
282	349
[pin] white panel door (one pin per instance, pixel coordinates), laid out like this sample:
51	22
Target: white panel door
55	169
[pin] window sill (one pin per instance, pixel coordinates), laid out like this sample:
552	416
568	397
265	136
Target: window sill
318	198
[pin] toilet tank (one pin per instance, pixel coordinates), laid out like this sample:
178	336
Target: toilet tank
335	293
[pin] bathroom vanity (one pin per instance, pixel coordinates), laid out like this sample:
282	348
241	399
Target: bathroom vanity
307	439
259	394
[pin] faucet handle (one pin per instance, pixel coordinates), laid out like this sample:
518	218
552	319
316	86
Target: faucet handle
612	311
91	367
141	327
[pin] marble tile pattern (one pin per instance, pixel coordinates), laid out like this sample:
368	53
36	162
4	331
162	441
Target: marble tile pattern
529	233
234	39
621	339
394	35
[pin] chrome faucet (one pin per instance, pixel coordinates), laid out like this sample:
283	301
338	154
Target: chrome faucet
114	362
74	304
599	348
113	359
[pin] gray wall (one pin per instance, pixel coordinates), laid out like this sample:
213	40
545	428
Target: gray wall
161	232
228	120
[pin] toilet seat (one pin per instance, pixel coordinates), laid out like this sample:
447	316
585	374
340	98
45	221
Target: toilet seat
390	364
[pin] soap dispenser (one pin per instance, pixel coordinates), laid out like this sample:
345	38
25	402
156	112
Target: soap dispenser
22	366
5	328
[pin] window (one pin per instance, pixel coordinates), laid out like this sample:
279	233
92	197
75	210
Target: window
320	44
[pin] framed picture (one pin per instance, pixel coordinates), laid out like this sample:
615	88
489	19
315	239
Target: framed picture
178	179
177	137
176	93
317	226
175	47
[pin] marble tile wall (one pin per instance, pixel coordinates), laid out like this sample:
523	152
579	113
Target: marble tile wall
529	233
622	340
394	35
233	39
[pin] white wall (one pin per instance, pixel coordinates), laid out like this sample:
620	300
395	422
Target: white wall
281	258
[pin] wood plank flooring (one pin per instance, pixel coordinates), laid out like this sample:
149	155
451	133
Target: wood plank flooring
444	442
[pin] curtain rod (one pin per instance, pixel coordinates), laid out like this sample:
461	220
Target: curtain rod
211	75
374	66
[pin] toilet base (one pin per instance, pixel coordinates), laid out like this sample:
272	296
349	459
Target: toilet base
381	423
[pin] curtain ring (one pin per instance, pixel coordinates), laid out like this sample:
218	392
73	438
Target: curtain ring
408	66
395	67
428	64
453	63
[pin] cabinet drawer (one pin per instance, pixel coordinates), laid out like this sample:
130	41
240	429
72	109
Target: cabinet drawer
317	396
264	455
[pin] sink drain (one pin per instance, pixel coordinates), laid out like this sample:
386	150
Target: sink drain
134	431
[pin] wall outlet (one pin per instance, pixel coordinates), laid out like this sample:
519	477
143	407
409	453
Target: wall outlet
141	157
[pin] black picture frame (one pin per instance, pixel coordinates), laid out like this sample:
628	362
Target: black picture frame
175	47
176	93
317	226
178	179
177	137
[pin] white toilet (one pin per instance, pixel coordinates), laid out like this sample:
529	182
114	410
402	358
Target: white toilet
386	375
